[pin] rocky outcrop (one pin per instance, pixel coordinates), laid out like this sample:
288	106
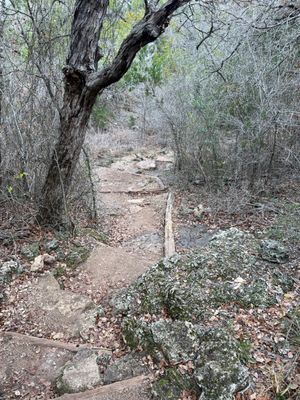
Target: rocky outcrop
80	374
170	312
8	269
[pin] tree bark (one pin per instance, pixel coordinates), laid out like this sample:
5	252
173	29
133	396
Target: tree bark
2	21
77	106
82	85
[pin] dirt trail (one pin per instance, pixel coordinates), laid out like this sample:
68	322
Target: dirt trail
133	200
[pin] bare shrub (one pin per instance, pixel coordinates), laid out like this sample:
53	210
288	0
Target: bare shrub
234	114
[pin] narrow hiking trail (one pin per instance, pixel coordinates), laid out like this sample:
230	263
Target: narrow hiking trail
49	329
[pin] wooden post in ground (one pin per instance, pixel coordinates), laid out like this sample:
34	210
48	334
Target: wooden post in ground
169	235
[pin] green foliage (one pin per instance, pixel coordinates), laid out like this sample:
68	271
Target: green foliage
244	349
152	64
101	115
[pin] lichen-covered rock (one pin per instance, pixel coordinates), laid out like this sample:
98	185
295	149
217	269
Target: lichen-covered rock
273	251
76	255
30	251
229	273
172	384
219	373
229	269
212	350
8	269
52	245
123	368
173	341
79	374
220	382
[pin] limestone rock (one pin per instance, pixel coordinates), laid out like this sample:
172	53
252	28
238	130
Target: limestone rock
123	368
273	251
30	251
48	259
20	357
198	211
230	269
40	261
38	264
79	374
146	165
52	245
8	269
53	310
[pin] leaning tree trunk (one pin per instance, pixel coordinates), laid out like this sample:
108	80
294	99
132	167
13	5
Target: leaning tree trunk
64	160
75	113
82	85
2	21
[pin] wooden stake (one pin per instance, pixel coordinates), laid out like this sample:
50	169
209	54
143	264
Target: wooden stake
169	235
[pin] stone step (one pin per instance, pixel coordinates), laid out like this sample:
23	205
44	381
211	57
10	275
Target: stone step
115	264
129	389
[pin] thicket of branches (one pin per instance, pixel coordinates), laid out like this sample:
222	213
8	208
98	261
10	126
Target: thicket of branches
233	108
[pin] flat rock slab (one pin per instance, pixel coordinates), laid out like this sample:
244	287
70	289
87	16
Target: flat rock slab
114	265
192	236
53	312
147	165
115	181
146	243
130	389
139	224
80	374
24	364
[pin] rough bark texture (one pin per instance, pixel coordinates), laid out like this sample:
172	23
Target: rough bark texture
2	21
82	85
77	106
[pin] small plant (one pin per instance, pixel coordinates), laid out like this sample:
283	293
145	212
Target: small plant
244	349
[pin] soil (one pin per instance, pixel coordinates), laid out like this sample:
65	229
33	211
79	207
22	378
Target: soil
133	202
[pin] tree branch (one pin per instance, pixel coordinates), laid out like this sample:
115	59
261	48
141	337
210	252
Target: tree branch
144	32
87	24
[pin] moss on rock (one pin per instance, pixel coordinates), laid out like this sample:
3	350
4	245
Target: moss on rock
172	384
227	274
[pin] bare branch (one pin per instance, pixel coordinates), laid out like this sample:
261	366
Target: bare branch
144	32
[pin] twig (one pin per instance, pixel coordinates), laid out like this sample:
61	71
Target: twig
51	343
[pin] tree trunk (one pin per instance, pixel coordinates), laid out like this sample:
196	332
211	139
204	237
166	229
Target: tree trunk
82	85
53	207
77	106
2	21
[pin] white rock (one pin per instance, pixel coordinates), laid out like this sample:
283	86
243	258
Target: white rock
198	211
82	373
37	264
147	165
